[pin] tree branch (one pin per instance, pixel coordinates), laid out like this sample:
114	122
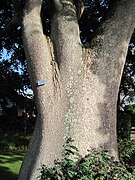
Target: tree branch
37	47
119	24
107	52
65	30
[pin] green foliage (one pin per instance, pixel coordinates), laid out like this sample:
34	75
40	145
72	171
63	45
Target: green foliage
14	141
126	150
123	125
94	166
130	110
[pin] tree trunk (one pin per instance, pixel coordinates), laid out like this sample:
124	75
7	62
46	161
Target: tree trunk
79	97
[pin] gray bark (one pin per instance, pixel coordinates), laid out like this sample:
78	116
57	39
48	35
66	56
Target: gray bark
79	97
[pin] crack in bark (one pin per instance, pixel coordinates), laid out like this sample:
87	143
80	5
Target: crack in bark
56	80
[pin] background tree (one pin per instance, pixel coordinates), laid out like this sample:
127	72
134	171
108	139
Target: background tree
70	103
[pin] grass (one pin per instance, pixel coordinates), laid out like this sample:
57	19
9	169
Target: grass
10	163
13	145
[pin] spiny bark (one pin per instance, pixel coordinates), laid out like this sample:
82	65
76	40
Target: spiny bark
80	95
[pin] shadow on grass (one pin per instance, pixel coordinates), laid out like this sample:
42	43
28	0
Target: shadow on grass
10	157
5	174
10	163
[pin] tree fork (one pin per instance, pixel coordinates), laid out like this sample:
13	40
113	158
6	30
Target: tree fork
85	108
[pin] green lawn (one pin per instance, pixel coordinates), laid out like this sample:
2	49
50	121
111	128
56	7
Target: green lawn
10	163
